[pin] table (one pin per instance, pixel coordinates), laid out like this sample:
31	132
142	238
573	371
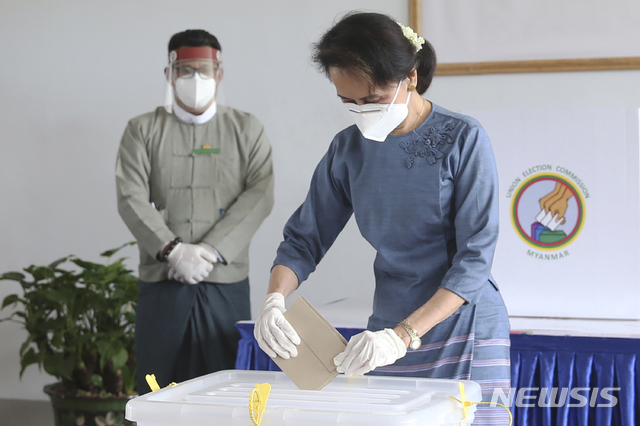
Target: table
578	364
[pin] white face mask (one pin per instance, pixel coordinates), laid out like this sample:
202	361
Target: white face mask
376	121
195	92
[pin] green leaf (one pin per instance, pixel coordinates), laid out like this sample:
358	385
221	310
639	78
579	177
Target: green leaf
57	339
120	359
128	379
26	285
30	357
25	345
67	366
51	363
59	366
106	350
54	265
41	272
111	252
96	379
10	300
86	265
65	296
13	276
110	276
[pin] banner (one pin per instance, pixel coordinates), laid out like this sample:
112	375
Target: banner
569	241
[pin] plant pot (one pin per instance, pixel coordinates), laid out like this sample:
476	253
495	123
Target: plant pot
86	411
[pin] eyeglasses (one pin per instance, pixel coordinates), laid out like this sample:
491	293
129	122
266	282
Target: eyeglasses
205	71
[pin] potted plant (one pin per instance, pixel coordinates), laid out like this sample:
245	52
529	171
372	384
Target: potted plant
80	322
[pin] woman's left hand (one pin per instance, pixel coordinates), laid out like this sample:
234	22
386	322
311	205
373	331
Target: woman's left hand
369	350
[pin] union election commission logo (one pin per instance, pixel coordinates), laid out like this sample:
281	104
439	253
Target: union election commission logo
548	209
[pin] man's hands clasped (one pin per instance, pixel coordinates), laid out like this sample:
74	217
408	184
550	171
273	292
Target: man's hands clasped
191	263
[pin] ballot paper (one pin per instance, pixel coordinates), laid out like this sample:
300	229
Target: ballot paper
320	342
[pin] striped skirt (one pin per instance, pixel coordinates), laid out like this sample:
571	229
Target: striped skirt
472	344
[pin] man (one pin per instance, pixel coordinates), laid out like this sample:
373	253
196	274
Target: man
194	182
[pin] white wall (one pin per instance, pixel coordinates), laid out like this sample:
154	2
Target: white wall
74	71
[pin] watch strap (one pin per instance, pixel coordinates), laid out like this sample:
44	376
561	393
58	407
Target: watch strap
412	332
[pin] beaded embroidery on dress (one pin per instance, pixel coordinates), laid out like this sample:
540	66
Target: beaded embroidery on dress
428	146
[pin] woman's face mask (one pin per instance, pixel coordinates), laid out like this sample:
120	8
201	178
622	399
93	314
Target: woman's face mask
376	121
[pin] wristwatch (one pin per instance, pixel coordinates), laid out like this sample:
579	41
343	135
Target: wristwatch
415	342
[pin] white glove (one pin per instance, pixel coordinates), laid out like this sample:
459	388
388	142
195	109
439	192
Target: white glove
190	263
275	335
368	350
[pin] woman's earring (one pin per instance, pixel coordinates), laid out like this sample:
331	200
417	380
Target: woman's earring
412	88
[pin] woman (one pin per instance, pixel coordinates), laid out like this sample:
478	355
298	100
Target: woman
422	184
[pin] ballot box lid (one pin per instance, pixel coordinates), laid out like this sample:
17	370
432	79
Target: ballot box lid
222	398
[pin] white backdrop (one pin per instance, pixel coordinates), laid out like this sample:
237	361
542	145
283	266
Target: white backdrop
74	71
507	30
595	273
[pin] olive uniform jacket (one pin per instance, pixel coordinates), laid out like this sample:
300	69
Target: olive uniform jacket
209	182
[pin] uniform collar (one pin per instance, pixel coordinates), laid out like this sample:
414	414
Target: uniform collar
189	118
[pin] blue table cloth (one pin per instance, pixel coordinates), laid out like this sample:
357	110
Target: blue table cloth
543	367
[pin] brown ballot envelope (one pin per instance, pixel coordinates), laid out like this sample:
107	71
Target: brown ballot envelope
320	342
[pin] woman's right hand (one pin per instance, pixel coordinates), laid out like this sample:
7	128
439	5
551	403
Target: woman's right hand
275	335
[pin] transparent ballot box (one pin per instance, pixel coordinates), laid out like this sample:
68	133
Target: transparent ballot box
222	399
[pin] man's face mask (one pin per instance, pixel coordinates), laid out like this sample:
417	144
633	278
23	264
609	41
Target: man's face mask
195	86
192	72
376	121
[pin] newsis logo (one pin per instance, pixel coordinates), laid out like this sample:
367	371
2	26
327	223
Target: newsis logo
556	397
548	210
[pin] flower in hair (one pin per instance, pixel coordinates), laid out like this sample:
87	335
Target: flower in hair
411	35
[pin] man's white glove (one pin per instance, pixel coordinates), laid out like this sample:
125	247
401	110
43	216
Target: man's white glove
190	263
275	335
369	350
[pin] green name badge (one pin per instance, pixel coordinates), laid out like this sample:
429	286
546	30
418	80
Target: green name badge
206	151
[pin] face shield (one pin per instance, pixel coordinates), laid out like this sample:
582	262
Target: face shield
193	71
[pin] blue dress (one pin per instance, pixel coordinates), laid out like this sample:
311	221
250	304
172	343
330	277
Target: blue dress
427	201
